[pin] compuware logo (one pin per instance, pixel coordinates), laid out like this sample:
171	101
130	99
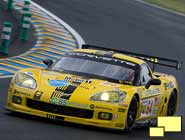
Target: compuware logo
166	124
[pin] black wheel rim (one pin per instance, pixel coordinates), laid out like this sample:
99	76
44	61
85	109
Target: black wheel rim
172	104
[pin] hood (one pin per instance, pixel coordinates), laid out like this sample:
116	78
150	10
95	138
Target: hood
62	88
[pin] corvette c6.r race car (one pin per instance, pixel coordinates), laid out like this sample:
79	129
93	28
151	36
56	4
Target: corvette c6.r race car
96	86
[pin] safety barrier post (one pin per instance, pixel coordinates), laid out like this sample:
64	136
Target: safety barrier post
5	38
9	5
25	27
25	10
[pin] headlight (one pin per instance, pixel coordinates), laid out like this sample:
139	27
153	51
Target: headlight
25	80
109	96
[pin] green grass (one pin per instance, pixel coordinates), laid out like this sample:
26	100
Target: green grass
176	5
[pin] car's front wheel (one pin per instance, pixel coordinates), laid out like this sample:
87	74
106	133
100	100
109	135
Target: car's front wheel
132	113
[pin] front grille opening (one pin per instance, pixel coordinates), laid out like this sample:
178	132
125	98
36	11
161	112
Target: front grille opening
61	110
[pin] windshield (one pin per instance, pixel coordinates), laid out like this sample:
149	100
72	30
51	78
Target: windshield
124	73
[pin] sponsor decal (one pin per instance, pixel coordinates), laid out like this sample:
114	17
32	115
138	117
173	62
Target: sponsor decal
37	95
123	104
76	80
154	101
157	100
85	87
152	92
100	107
81	105
57	83
60	98
148	106
147	109
109	84
154	111
73	79
145	102
121	110
58	101
21	93
62	94
168	85
68	89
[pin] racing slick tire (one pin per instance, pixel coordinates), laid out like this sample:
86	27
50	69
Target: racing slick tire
172	103
132	113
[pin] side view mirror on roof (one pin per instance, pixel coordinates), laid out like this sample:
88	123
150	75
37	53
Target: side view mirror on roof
48	62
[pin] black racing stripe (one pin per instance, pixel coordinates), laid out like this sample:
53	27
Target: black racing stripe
66	96
70	89
77	83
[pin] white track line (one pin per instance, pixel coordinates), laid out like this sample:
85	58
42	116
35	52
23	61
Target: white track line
161	8
6	76
79	39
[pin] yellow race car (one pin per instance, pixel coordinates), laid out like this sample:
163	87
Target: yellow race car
97	86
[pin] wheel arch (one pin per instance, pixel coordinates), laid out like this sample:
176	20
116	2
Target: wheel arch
137	96
176	92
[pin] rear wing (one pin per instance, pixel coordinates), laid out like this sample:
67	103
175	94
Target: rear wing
149	58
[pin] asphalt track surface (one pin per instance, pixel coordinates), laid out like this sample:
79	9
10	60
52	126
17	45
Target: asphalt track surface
123	24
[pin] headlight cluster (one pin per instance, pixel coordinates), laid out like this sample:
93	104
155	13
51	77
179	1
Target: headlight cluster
25	80
109	96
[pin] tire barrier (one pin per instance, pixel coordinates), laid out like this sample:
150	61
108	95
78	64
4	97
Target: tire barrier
5	38
25	10
25	27
54	37
9	5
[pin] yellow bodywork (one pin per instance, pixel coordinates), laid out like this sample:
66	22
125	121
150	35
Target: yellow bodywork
80	108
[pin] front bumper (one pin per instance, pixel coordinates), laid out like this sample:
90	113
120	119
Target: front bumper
117	122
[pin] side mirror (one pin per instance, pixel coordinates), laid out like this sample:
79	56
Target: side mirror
153	82
48	62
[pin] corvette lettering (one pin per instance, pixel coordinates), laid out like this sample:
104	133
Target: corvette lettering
103	58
